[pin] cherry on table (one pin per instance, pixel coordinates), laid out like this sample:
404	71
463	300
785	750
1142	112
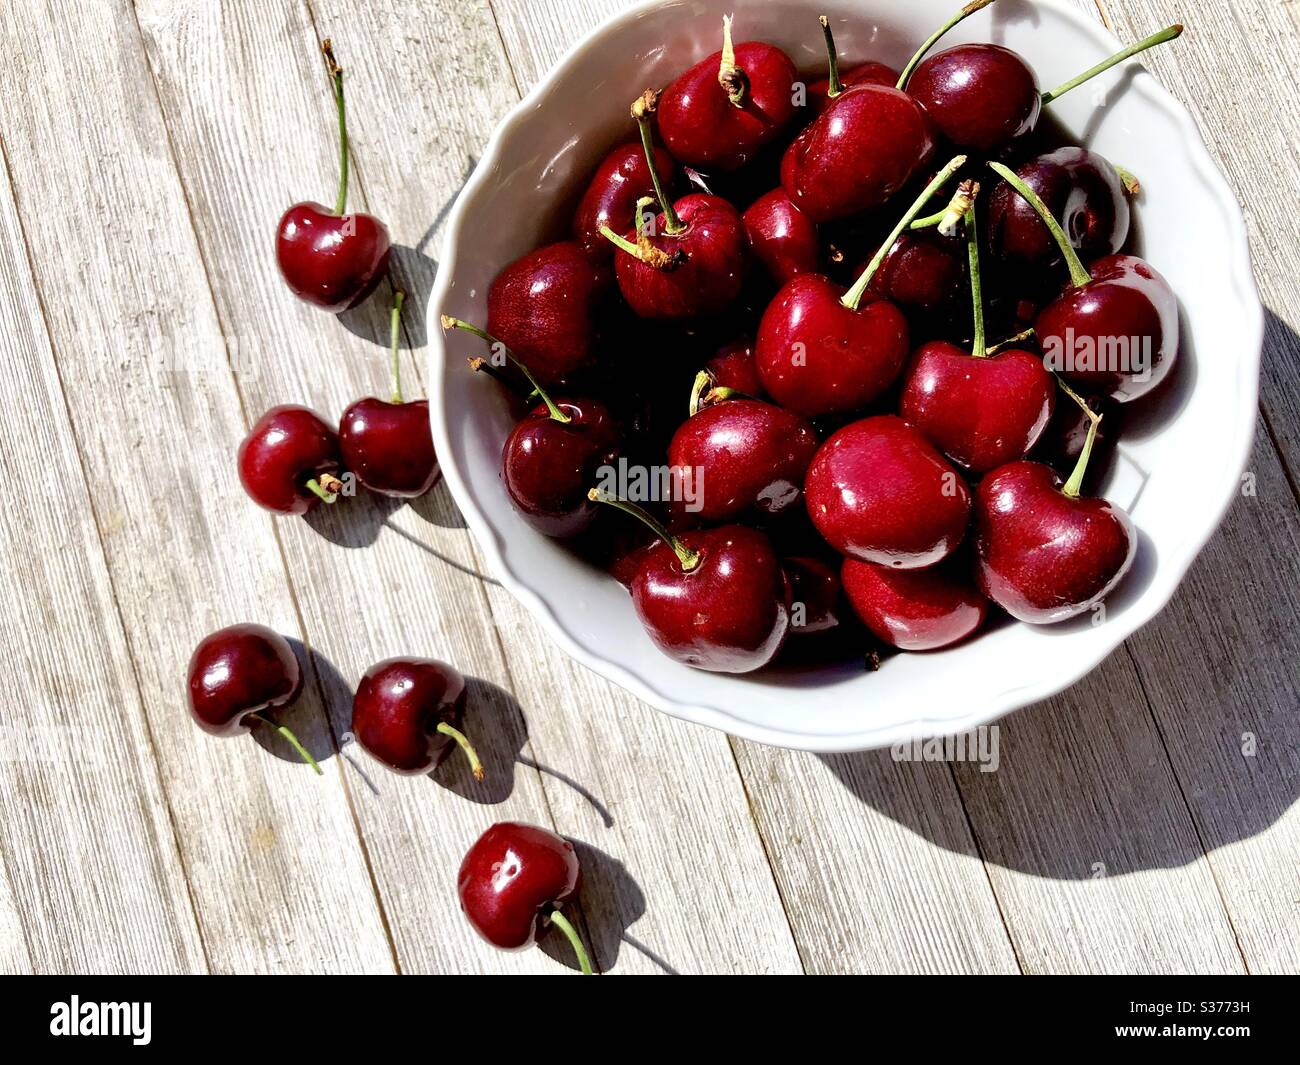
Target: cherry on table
408	712
329	257
513	882
389	446
238	676
289	460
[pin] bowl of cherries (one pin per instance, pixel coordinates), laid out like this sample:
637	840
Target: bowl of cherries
842	375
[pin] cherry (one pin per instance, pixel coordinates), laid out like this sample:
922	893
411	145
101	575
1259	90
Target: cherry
1062	441
741	456
389	446
734	367
923	271
1115	328
716	599
815	594
331	258
1044	552
824	90
542	306
1084	193
822	350
553	453
407	713
692	262
621	179
719	113
289	460
237	675
783	238
914	610
878	491
512	883
982	411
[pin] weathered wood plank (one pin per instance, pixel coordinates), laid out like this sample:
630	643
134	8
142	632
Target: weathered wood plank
272	858
90	878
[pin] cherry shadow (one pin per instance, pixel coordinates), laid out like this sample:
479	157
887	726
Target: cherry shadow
353	521
309	717
495	725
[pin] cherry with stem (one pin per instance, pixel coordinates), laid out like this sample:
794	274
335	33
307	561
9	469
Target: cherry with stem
685	555
497	346
933	39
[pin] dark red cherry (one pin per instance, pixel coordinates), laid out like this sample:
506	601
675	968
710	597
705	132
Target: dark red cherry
1084	193
822	91
816	599
1062	441
737	457
981	96
331	258
734	367
980	412
408	712
542	306
914	609
878	491
719	113
620	180
783	238
548	464
513	882
923	271
289	459
239	671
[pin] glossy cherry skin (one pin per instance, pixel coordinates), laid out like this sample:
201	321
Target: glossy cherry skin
734	367
924	271
869	73
333	261
712	255
728	614
512	878
1081	190
816	356
914	609
542	307
981	413
869	143
878	491
548	466
1041	555
816	598
1117	335
981	96
389	446
237	671
398	707
610	199
783	238
287	447
702	127
741	456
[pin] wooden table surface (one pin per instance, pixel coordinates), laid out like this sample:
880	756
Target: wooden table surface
1146	820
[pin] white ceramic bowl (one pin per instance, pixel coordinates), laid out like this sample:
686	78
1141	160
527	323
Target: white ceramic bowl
1178	469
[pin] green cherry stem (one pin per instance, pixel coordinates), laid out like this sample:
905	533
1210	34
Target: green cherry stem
571	934
284	731
1075	483
1078	272
394	337
853	296
448	322
685	555
833	60
964	13
476	766
642	108
979	344
326	488
929	221
336	79
1167	34
706	391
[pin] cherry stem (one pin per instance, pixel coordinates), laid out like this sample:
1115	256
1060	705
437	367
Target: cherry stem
836	86
1078	272
730	76
571	934
976	288
964	13
476	767
448	322
685	555
1075	483
321	491
336	78
643	107
481	365
394	335
1167	34
284	731
853	297
706	391
1128	179
646	250
930	220
1025	334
